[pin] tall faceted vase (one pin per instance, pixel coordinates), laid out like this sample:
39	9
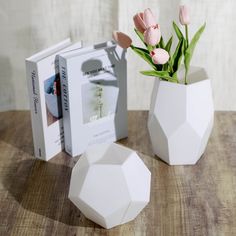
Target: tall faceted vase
181	118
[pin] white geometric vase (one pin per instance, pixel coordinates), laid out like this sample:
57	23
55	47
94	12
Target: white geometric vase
110	184
181	118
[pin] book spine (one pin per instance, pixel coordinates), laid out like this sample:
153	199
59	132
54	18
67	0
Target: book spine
65	104
35	108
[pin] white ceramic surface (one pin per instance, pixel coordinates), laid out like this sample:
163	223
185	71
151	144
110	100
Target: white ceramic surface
181	118
110	184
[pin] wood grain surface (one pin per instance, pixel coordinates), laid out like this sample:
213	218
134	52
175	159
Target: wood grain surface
185	200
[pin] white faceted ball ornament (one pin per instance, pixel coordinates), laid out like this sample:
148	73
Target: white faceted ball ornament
110	184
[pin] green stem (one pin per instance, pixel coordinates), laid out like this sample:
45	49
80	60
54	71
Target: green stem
186	33
150	48
185	77
175	78
187	42
171	68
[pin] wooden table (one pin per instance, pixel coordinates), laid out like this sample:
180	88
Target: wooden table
185	200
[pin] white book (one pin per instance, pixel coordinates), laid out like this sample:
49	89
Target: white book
94	100
42	71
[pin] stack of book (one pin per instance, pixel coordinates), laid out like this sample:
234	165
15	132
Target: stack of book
78	97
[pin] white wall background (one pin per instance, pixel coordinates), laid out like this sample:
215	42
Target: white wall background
28	26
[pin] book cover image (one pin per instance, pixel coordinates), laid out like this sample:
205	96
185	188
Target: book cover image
52	92
100	92
99	99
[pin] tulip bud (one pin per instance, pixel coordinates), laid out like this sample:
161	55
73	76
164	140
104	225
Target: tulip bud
123	40
139	23
159	56
152	35
184	15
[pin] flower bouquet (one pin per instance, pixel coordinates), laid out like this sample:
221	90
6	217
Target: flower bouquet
181	112
157	53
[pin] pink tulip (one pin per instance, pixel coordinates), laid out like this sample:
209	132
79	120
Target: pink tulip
139	23
123	40
184	15
143	21
159	56
146	24
152	35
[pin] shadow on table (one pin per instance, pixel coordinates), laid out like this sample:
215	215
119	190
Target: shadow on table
15	129
138	137
43	188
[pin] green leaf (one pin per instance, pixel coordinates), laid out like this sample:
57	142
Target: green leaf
161	43
177	56
140	49
144	54
189	52
178	31
141	36
173	79
165	67
159	67
155	73
161	74
167	48
169	44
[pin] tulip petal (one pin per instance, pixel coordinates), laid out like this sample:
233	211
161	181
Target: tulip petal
148	18
152	36
123	40
139	23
